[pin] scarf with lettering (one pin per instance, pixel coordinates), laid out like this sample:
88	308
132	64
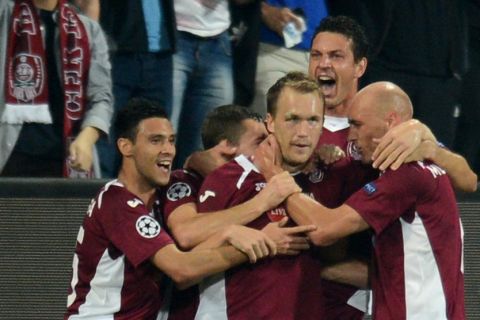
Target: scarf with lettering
26	85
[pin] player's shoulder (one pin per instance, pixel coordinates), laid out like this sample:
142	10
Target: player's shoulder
115	195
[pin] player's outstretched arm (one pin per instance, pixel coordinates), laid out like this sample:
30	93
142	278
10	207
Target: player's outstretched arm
188	268
332	224
352	272
190	228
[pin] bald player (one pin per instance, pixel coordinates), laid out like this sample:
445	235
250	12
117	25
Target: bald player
418	243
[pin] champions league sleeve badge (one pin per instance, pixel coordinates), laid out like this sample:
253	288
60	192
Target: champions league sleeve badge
148	227
178	191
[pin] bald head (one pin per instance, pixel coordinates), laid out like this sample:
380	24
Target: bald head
383	98
374	110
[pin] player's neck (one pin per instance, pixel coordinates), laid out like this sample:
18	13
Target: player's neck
341	110
138	186
293	168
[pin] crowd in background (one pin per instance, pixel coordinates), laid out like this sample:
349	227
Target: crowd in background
194	56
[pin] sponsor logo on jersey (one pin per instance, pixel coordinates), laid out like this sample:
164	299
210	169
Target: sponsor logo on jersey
134	202
277	214
147	227
370	188
316	176
178	190
206	195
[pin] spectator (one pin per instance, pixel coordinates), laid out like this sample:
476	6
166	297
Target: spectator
141	35
120	243
274	58
54	102
202	68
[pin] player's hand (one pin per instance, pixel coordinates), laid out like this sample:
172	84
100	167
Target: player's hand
254	243
267	157
329	153
276	18
399	143
208	160
277	190
81	149
290	241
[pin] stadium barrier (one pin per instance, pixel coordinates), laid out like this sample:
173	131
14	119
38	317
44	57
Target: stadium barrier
39	221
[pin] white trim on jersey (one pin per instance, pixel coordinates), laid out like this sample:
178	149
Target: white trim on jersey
247	166
105	189
213	298
424	295
334	124
104	298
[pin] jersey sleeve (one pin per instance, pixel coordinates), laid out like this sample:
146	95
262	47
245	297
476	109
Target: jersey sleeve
131	229
182	189
387	198
216	191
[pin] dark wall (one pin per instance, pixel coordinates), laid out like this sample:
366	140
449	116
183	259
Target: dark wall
39	221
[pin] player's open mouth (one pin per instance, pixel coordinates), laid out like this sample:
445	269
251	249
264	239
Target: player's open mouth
164	165
327	84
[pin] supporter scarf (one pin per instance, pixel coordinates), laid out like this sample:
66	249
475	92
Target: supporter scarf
26	84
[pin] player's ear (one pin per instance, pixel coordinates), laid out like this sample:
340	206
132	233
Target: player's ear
125	146
269	123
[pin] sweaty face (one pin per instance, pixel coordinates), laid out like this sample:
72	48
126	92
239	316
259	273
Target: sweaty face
154	150
365	125
297	126
332	65
255	133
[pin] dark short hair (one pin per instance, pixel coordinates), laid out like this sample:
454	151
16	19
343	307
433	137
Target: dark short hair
137	109
298	81
349	28
225	122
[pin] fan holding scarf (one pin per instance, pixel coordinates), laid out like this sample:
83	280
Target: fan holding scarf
55	89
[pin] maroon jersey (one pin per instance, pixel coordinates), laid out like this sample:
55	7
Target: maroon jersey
337	295
335	131
283	287
182	188
112	277
418	243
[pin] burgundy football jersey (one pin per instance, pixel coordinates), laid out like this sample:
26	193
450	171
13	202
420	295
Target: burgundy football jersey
112	277
182	188
335	131
283	287
418	243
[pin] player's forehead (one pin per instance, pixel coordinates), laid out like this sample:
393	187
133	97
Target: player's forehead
299	104
155	126
327	41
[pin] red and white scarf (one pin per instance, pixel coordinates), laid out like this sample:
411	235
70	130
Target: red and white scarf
26	85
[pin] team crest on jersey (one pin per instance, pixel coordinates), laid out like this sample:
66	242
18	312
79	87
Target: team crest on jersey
147	227
352	151
370	188
316	176
178	190
277	214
